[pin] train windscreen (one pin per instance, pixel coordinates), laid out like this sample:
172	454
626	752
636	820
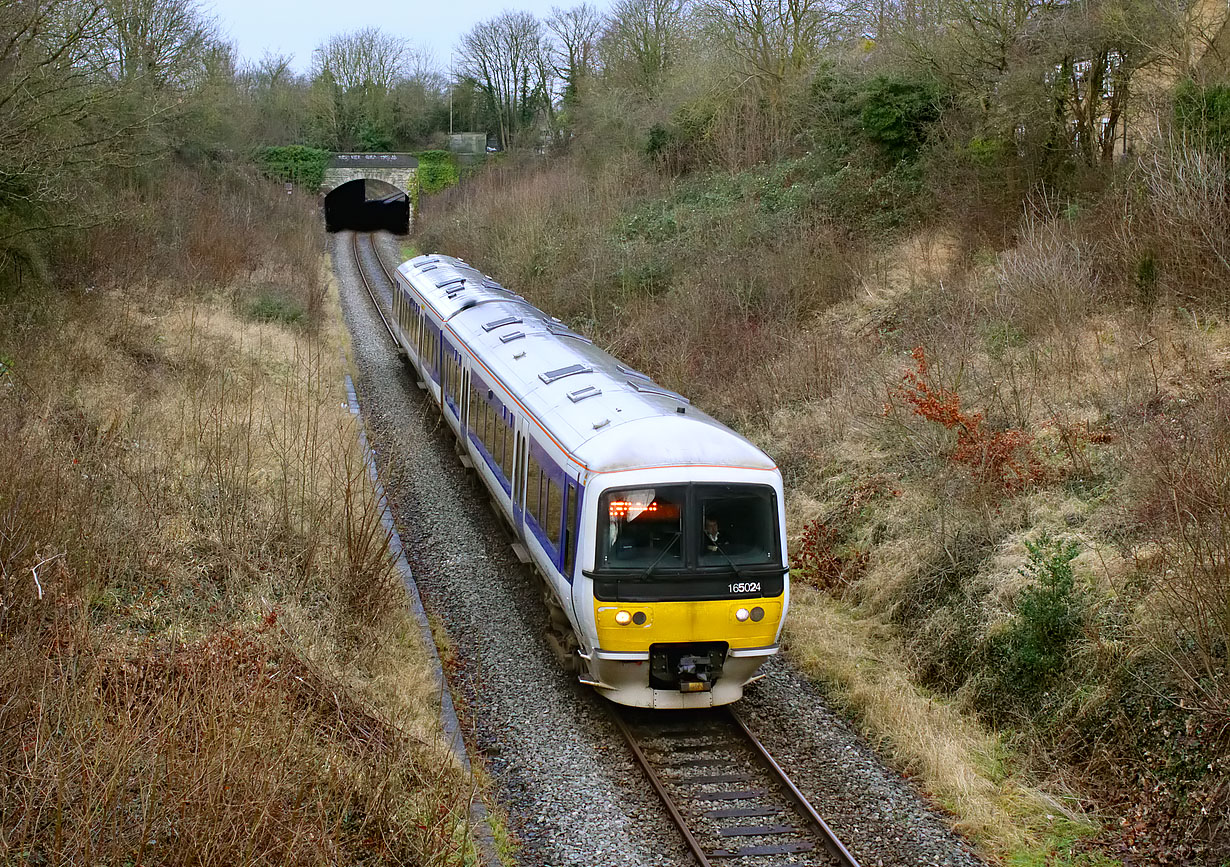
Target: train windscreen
736	524
643	528
696	526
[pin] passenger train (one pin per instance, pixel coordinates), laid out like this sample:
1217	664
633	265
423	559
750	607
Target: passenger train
658	531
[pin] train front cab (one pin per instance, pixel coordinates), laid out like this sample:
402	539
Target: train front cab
679	619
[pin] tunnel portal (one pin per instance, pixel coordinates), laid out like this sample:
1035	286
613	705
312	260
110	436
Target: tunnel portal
367	205
369	191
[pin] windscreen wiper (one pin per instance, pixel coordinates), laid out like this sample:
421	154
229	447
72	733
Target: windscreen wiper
738	572
649	572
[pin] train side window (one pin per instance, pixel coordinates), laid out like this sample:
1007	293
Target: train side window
570	534
476	410
509	443
497	419
555	511
531	488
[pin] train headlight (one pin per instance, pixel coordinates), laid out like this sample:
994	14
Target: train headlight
742	614
623	618
757	614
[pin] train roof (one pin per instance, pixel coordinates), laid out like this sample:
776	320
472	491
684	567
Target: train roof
607	415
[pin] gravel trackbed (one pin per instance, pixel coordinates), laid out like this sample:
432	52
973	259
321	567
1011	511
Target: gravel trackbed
559	768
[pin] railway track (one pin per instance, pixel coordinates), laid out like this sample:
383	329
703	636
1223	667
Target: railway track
731	801
364	255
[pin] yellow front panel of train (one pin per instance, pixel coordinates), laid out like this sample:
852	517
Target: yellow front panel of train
633	626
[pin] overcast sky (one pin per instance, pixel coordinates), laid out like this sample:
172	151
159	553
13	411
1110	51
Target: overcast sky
297	26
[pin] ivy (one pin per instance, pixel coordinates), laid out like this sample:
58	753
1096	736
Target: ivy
298	164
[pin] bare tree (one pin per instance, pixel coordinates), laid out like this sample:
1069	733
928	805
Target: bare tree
59	113
1053	76
354	79
509	58
156	43
576	31
776	41
642	39
273	70
364	58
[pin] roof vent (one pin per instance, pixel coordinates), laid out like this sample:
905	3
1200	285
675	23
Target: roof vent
681	410
635	374
581	393
511	336
649	388
562	331
500	323
450	282
571	370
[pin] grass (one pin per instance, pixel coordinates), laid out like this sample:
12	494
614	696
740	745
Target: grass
971	772
207	652
1072	386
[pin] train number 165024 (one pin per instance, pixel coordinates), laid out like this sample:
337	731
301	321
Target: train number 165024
745	587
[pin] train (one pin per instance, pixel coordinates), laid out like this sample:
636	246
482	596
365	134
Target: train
657	531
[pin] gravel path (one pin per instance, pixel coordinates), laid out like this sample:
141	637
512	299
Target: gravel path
560	769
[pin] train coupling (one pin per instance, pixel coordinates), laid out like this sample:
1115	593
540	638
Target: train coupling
686	667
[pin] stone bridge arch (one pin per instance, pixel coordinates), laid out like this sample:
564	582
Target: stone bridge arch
399	170
369	191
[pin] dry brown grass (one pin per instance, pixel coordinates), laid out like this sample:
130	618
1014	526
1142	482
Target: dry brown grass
725	310
967	769
206	652
1065	339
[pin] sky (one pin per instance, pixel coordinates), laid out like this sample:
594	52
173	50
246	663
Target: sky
296	27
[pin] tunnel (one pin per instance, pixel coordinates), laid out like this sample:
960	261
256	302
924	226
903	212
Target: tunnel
367	205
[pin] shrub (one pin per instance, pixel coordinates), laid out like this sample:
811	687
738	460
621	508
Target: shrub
298	164
1002	459
1033	649
437	171
897	113
276	307
1181	494
1202	114
821	562
1176	238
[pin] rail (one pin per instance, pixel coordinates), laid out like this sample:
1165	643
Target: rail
669	748
367	283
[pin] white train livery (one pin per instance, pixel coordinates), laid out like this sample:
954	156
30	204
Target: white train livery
659	532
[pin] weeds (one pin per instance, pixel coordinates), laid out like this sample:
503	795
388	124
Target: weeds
1182	507
819	560
1057	383
1000	459
205	648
